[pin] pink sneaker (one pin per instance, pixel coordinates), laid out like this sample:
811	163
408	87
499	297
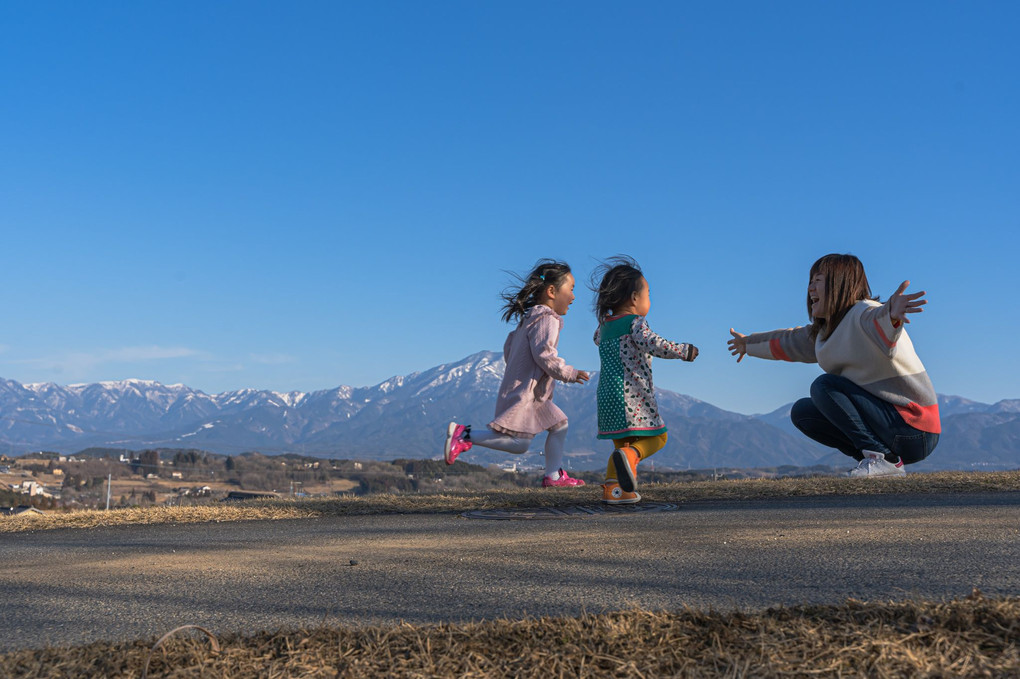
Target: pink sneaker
563	482
455	442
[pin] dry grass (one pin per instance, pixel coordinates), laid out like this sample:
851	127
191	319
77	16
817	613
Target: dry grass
972	637
94	518
942	482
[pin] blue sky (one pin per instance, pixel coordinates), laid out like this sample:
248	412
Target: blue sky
295	196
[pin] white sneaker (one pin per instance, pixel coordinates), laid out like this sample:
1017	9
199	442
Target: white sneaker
875	464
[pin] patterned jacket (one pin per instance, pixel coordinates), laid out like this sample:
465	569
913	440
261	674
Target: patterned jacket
626	395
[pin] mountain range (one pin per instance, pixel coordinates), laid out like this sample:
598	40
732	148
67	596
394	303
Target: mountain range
406	417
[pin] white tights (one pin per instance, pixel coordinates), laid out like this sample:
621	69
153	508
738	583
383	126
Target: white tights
554	443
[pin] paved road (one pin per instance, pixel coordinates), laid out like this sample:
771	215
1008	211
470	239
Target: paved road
71	587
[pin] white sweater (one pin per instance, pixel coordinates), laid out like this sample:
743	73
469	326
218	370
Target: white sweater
869	349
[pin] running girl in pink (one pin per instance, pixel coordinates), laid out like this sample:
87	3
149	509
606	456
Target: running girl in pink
525	407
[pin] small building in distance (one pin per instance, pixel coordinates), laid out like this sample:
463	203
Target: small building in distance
20	509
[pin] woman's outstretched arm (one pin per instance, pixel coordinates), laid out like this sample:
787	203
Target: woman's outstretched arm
737	345
900	304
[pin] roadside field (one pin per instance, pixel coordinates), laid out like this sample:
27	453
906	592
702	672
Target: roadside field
428	503
164	488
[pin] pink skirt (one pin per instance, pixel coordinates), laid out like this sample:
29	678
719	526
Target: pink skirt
529	418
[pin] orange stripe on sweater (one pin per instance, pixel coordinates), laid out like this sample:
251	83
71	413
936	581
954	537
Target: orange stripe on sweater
777	350
925	418
881	333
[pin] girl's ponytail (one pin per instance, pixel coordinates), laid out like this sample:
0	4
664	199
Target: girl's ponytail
521	297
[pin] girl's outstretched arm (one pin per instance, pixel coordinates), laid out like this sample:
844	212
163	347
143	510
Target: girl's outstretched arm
659	346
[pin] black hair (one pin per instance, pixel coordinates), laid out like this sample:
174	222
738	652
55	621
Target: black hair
521	297
618	279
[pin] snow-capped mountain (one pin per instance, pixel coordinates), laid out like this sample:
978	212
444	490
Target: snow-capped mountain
142	413
406	416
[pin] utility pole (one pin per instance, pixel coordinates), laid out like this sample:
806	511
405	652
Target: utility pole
109	482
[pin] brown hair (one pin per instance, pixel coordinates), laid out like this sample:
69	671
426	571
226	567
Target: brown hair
845	285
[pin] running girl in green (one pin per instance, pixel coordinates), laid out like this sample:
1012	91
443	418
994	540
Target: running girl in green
627	412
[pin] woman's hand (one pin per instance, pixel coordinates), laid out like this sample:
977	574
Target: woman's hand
900	305
582	376
737	345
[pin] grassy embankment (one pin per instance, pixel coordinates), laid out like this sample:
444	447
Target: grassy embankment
971	637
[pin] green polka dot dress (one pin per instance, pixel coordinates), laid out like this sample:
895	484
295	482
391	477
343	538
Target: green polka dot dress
626	395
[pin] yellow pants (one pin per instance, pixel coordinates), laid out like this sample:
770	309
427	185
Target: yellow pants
646	446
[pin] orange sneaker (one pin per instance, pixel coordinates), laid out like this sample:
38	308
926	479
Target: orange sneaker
625	460
612	494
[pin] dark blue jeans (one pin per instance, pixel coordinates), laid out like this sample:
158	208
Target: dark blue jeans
841	415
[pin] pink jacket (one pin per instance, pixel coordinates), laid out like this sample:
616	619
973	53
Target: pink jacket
524	407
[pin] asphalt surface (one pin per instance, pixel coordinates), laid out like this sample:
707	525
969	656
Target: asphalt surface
69	587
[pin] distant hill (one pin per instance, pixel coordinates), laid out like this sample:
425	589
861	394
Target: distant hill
406	417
